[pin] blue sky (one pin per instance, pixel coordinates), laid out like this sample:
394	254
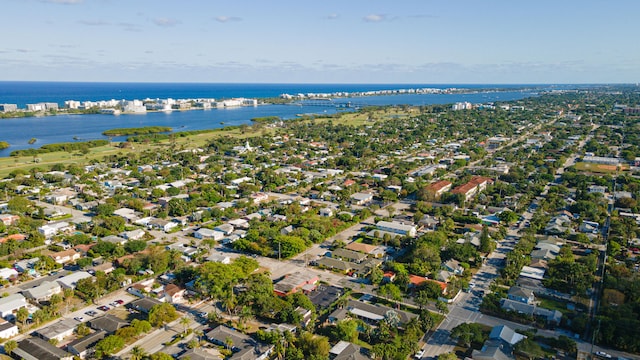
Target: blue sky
328	41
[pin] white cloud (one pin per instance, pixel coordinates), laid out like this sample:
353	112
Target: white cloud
332	16
224	19
374	18
165	22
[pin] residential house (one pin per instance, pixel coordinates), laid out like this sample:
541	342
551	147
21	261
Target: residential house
373	313
590	227
129	215
161	224
51	229
397	228
141	289
429	222
287	230
522	295
136	234
201	354
9	219
108	323
25	265
144	305
453	266
43	292
361	198
325	295
83	249
344	350
117	240
65	256
305	281
38	349
70	281
204	233
506	334
493	350
371	250
217	257
8	273
500	344
226	229
558	225
444	276
334	264
8	330
174	294
471	237
13	237
259	197
326	212
239	223
243	346
9	305
57	331
532	273
348	255
545	251
83	346
60	196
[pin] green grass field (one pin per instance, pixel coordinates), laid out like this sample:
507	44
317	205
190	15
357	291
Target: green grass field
600	168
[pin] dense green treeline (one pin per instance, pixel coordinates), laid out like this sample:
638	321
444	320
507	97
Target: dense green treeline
60	147
137	131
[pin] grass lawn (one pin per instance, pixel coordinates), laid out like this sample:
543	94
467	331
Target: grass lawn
600	168
553	305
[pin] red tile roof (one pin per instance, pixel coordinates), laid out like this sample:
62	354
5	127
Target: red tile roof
438	185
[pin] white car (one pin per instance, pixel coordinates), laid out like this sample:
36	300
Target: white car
603	354
419	354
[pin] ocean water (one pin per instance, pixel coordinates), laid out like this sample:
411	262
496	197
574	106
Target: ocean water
25	92
69	128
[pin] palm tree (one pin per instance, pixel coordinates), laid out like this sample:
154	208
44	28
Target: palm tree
138	353
245	315
228	343
230	303
185	323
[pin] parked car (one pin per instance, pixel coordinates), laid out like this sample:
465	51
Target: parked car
120	301
104	308
91	313
419	354
78	318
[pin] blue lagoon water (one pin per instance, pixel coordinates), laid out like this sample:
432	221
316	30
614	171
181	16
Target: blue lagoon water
68	128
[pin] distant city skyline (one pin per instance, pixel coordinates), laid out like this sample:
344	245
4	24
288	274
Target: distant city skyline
353	41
